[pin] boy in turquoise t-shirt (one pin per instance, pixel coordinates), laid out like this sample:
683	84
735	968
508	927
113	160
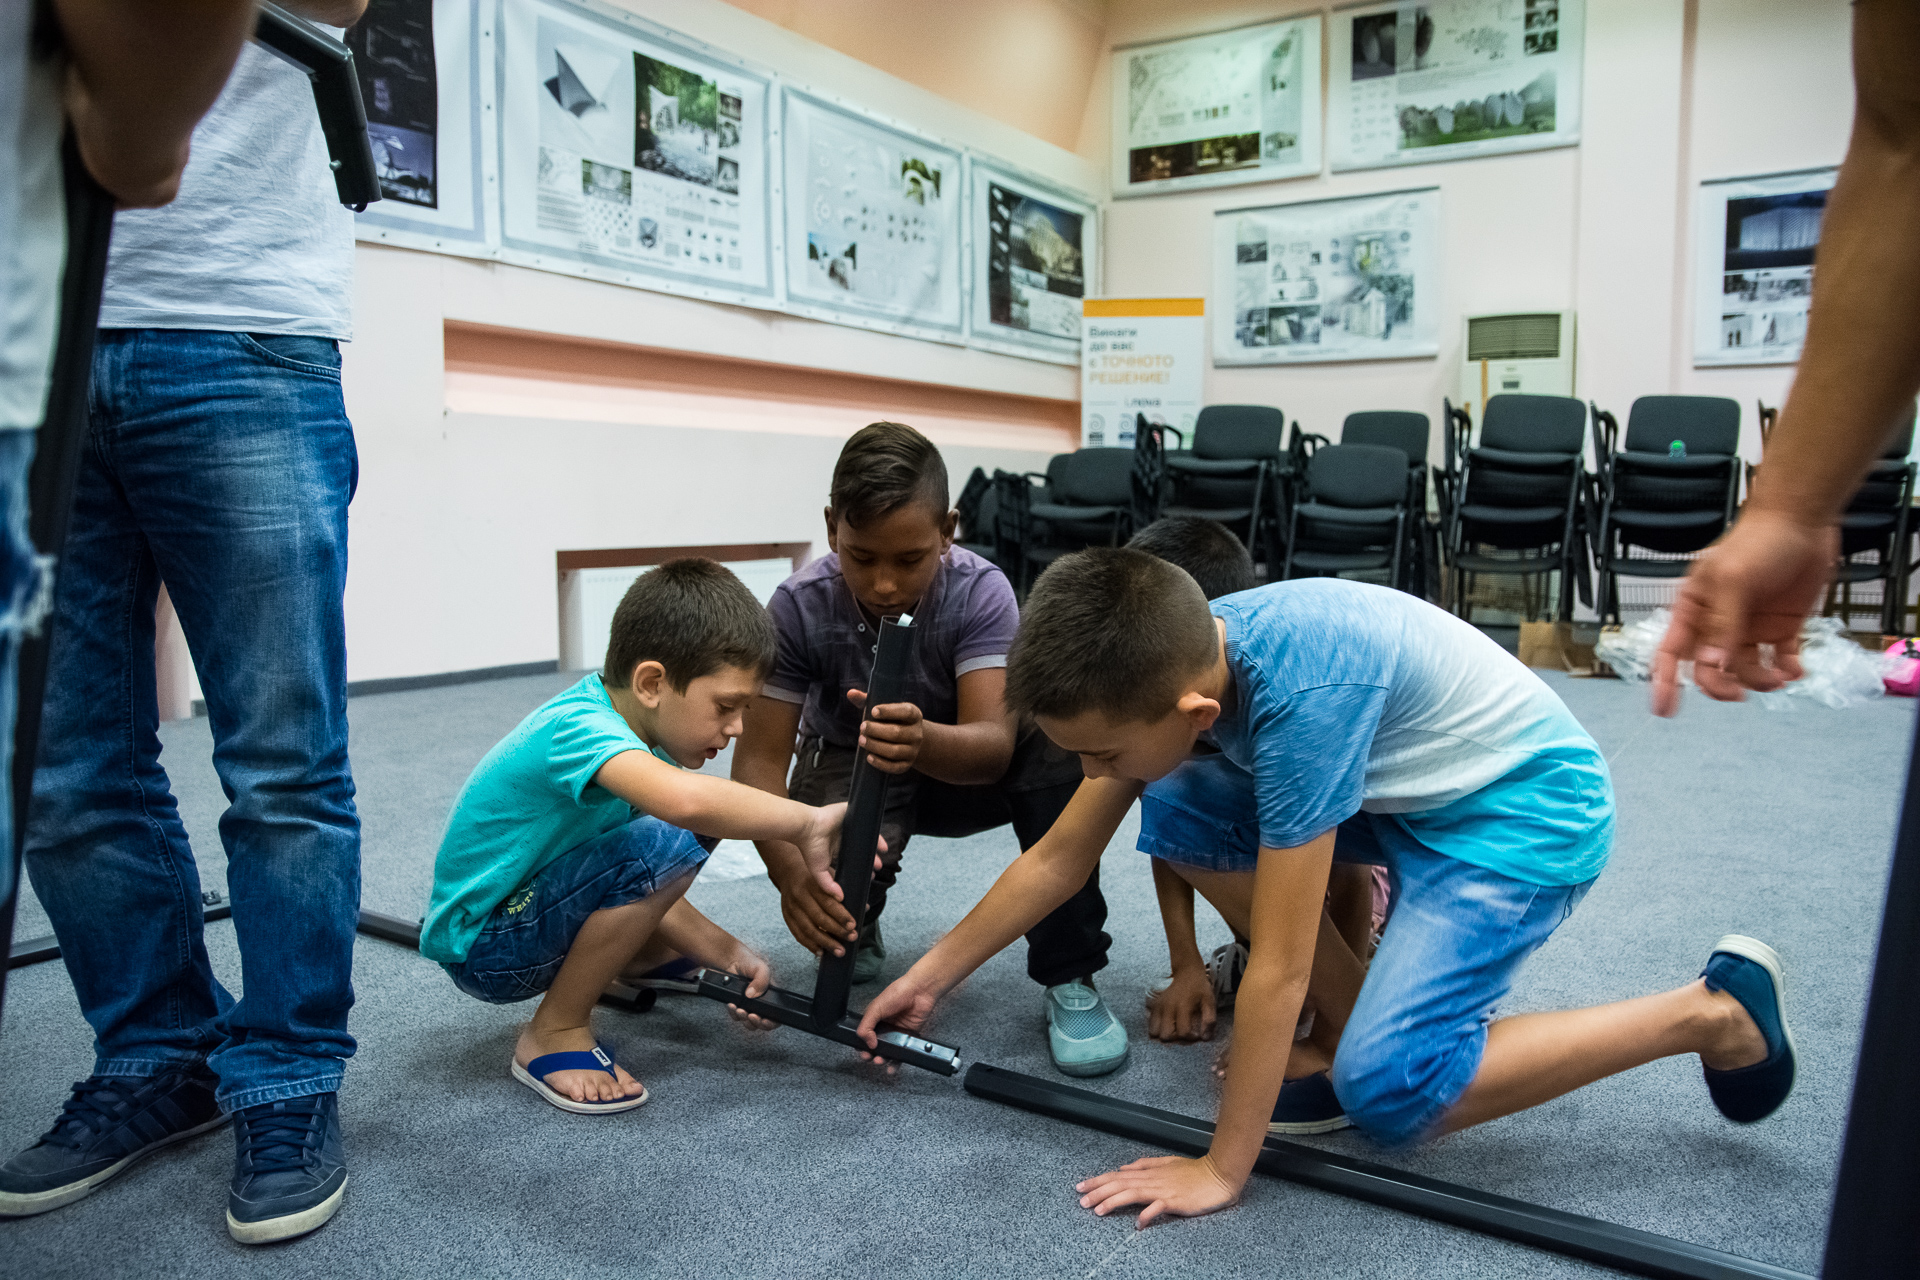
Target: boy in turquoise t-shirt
570	847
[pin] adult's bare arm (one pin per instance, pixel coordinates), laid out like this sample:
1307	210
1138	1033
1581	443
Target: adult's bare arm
140	75
1859	370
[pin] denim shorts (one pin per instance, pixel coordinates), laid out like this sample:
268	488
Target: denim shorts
526	939
1457	935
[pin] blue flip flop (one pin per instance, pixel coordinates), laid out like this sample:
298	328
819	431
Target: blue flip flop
534	1076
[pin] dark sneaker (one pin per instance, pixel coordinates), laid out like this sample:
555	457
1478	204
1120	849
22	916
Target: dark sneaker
1307	1105
869	954
1228	966
289	1168
108	1123
1750	972
681	975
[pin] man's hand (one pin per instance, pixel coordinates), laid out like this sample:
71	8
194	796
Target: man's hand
906	1003
891	734
1167	1185
1184	1012
1755	586
759	977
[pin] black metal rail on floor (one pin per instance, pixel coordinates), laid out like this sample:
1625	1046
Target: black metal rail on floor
1639	1252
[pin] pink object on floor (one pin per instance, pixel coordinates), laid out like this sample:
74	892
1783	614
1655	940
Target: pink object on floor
1903	673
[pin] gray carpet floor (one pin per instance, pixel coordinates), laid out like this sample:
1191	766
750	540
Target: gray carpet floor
775	1155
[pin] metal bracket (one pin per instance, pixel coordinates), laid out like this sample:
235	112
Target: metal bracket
791	1009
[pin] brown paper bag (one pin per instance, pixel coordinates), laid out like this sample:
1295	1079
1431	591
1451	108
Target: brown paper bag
1554	647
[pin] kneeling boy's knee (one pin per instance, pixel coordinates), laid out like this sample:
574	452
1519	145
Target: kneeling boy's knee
1382	1094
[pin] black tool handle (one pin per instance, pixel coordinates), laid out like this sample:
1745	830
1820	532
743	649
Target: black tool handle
866	805
792	1009
336	93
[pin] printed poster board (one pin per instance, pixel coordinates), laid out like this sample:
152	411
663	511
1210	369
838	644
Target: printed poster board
1450	79
1349	279
1208	111
1754	244
632	154
420	69
873	226
1033	252
1140	356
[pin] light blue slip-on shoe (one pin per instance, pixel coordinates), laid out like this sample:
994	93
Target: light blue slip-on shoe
1083	1036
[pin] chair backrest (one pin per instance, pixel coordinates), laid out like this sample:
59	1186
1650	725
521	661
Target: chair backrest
1097	478
1534	424
1705	424
1358	475
1057	475
1226	432
1394	428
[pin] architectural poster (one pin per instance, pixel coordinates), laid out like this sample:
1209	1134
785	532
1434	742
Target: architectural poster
1448	79
1033	254
626	153
1754	243
1351	279
872	222
419	64
1236	106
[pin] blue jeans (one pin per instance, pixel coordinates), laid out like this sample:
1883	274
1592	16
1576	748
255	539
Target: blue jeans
20	605
526	939
222	464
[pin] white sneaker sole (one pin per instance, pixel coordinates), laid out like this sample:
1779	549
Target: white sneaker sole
268	1230
565	1103
1290	1127
1767	958
25	1204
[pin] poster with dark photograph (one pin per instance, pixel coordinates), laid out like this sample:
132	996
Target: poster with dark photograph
1755	243
430	124
1349	279
1445	79
624	152
1235	106
393	52
1033	258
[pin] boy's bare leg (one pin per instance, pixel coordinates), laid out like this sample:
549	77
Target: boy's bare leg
1337	972
603	948
1536	1057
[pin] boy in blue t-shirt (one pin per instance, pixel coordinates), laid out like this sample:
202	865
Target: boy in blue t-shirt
1375	727
570	847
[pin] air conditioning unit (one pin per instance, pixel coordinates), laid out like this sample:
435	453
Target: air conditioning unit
1526	353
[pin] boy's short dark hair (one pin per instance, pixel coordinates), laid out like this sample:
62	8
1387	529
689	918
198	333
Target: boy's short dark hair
1206	549
1113	630
693	617
882	468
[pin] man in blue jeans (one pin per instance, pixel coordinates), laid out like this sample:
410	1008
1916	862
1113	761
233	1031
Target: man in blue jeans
221	463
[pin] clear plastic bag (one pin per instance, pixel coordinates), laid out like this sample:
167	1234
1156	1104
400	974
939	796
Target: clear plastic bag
1839	673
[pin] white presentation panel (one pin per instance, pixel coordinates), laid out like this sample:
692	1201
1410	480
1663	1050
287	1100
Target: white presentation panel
1754	241
1206	111
421	66
1351	279
1034	248
1449	79
873	229
632	154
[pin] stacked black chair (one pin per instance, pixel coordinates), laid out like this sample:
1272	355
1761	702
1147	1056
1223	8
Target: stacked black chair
1670	492
978	511
1232	474
1407	432
1879	522
1351	514
1088	503
1512	504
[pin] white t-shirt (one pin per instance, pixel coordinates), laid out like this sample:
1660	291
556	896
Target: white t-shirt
257	240
33	222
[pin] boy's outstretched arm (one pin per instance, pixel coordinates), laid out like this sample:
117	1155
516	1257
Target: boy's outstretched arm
1289	887
1038	881
716	807
1185	1011
761	757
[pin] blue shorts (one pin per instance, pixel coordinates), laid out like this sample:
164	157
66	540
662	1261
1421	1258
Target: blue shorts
1457	935
526	939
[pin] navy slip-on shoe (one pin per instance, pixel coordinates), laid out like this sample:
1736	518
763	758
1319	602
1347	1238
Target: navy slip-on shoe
108	1123
1307	1105
289	1168
1750	972
681	974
